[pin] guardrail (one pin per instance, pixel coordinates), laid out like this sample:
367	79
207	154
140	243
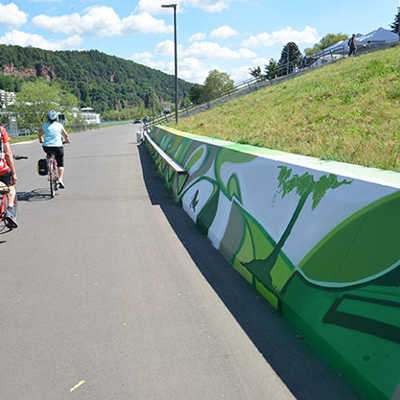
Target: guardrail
169	161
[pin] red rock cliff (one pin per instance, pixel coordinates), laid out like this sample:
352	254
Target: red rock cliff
39	70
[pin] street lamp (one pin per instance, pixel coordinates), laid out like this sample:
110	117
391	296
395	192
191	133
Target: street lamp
176	61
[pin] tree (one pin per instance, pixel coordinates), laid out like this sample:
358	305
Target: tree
256	72
327	41
271	69
4	119
151	101
396	24
290	57
36	98
216	84
196	93
98	80
185	102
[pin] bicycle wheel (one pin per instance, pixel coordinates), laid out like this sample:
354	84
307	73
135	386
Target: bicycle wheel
3	206
52	179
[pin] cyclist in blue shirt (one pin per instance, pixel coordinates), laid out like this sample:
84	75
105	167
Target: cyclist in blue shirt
50	135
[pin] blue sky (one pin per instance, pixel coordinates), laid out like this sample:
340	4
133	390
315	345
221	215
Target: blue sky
228	35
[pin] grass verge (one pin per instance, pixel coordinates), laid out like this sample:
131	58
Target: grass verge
347	111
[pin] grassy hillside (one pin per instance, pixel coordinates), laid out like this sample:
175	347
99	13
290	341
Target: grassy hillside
348	111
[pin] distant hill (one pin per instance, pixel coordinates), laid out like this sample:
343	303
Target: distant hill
98	80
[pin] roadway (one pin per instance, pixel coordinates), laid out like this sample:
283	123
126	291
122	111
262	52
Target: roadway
109	292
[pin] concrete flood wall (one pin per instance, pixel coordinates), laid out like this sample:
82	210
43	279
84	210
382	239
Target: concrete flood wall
319	240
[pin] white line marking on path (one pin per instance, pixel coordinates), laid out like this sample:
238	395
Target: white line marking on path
80	383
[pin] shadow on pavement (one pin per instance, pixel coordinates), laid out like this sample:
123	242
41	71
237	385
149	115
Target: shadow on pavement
298	367
39	194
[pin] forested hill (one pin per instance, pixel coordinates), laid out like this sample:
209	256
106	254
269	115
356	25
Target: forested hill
97	79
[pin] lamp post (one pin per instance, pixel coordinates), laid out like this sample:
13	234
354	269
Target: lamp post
176	60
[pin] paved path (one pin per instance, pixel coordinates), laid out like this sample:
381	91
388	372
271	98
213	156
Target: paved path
108	292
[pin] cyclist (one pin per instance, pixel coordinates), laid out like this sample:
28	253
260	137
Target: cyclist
8	176
50	135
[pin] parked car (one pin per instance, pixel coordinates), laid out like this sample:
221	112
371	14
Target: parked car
137	121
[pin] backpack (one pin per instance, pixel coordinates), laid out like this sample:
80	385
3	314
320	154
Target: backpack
42	167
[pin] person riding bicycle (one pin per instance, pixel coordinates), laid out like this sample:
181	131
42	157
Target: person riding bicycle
8	176
50	135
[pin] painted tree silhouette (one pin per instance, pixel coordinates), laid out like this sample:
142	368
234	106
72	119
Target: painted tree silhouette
305	186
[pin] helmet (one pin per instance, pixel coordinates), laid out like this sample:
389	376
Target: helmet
52	115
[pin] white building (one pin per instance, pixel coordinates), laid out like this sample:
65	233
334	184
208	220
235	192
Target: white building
89	116
379	37
6	98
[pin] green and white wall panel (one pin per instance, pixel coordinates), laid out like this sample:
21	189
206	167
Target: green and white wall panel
319	240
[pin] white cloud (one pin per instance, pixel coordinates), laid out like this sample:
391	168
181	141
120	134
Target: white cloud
27	39
307	35
101	21
241	73
11	15
156	64
223	32
210	5
193	70
142	56
210	50
189	68
144	23
71	42
197	37
259	61
154	6
167	48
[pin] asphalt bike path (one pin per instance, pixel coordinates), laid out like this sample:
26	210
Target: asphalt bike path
109	292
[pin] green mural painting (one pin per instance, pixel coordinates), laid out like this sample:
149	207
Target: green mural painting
305	186
343	291
372	232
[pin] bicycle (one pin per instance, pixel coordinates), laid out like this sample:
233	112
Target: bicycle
4	190
52	174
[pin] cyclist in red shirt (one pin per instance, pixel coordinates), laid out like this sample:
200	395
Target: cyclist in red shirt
8	176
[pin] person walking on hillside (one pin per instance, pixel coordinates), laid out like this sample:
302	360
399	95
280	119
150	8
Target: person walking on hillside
352	45
50	135
8	176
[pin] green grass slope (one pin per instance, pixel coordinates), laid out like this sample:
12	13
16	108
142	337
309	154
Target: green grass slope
348	111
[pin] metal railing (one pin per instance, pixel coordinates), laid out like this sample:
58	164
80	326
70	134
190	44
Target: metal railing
169	162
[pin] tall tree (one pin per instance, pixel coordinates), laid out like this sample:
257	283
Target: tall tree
151	101
196	93
216	84
396	24
290	57
36	98
271	69
255	72
185	102
327	41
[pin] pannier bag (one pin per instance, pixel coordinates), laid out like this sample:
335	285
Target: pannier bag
42	167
